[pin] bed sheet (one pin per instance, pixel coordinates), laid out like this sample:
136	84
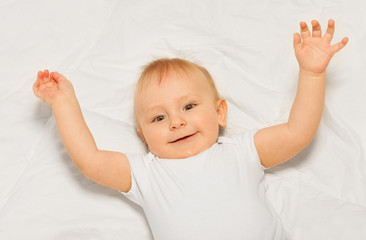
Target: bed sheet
100	47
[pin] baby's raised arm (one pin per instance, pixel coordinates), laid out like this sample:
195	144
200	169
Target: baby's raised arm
279	143
105	167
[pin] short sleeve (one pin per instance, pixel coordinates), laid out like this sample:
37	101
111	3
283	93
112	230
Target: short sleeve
246	140
138	178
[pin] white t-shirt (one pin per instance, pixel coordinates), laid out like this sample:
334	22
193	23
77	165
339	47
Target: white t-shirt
217	194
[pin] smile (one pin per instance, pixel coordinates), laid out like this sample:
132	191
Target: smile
184	139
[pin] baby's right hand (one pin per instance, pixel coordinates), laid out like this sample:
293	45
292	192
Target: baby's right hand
52	87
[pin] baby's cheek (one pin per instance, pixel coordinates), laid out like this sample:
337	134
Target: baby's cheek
154	139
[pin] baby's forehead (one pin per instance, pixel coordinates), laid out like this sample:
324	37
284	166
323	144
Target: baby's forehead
167	75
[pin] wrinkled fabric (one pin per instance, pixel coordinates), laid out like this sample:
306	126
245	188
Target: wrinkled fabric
100	46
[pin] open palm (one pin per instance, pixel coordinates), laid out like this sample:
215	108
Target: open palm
314	52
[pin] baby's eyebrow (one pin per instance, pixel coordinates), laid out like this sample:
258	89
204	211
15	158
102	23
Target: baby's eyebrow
190	96
153	108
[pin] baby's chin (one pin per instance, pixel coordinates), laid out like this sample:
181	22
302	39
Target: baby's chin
183	154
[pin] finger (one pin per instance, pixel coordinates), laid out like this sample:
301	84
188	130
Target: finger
337	47
305	33
317	32
39	75
46	76
37	83
35	87
297	41
328	36
58	77
52	77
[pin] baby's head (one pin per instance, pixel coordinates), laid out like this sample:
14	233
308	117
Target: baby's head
177	108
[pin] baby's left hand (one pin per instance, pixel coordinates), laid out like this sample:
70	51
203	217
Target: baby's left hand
315	52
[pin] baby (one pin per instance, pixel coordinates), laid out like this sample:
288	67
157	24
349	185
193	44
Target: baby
194	184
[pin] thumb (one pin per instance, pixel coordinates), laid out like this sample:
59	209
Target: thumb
57	77
297	41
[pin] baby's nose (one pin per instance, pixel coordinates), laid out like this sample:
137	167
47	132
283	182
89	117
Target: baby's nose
177	122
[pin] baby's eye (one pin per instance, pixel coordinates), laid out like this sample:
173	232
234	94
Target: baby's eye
189	106
159	118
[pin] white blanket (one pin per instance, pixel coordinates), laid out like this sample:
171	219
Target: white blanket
100	47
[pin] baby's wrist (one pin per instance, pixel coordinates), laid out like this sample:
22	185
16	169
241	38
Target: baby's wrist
61	101
312	74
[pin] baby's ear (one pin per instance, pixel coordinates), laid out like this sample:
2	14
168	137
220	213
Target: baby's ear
221	109
141	135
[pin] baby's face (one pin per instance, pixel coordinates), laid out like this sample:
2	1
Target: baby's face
179	117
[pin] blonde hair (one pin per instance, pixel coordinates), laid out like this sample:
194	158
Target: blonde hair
159	68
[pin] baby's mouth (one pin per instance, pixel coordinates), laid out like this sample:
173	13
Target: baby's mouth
183	138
